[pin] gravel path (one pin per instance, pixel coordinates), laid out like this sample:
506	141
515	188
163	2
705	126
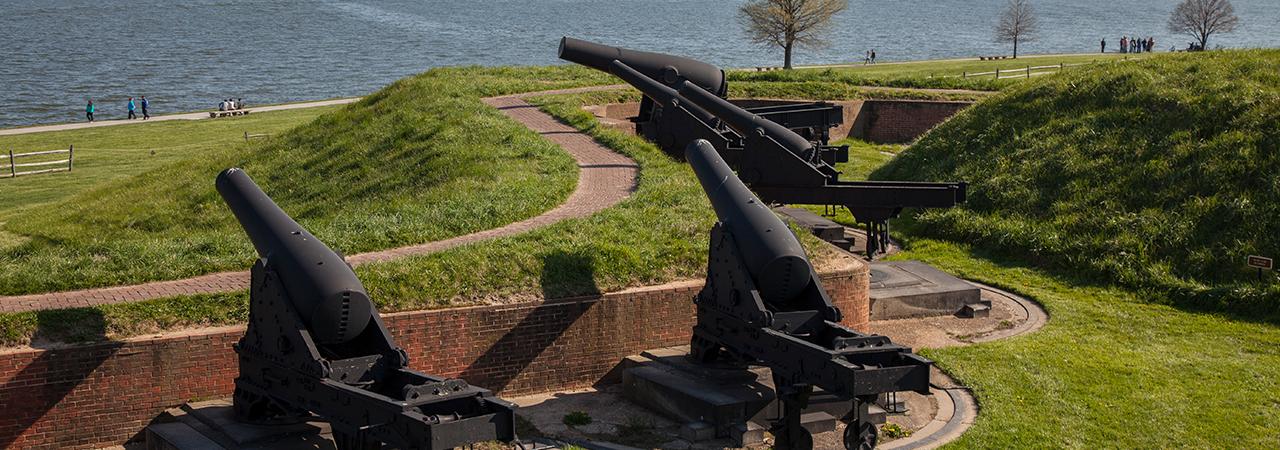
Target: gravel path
202	115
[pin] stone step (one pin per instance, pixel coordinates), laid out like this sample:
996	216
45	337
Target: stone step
975	310
177	436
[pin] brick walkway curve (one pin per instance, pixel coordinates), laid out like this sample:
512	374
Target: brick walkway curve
604	179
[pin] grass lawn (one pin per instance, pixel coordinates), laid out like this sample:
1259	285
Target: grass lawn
106	154
1111	369
944	74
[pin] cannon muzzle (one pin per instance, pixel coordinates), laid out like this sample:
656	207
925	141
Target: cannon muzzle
321	286
744	122
668	69
772	255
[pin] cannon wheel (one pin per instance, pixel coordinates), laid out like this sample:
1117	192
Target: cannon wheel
860	437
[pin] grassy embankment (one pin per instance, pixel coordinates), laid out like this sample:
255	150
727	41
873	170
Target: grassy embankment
1159	175
107	154
1117	366
418	161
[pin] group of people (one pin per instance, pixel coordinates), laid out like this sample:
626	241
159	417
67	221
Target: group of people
870	57
1133	45
231	104
133	108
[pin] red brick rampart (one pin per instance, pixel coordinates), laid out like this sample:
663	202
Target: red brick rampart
105	394
896	121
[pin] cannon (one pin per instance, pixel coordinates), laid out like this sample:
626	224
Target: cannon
668	129
316	346
775	151
763	303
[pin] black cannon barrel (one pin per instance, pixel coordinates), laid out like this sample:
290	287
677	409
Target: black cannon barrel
773	256
668	69
742	121
659	92
321	286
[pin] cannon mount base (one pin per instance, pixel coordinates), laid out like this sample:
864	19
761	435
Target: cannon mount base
726	401
212	425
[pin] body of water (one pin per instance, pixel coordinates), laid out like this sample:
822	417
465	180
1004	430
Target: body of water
188	54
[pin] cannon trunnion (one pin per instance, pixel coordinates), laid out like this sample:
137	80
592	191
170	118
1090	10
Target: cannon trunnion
315	345
780	152
764	304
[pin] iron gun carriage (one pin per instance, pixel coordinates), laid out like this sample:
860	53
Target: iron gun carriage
763	304
316	346
686	98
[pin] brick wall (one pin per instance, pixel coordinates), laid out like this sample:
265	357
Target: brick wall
895	121
105	394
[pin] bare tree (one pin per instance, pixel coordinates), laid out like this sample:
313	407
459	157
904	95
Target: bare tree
1017	23
789	23
1202	18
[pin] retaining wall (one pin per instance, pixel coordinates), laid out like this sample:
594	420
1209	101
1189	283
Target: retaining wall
105	394
878	121
895	121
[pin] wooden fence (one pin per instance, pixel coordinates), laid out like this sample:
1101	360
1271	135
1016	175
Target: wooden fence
10	170
1025	72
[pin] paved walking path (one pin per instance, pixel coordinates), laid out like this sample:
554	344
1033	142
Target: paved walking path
202	115
604	179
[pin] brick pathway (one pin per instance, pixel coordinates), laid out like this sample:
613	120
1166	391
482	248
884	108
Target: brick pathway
604	179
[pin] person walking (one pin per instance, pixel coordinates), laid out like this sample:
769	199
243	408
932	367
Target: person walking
132	107
88	110
145	114
1104	45
1124	44
873	56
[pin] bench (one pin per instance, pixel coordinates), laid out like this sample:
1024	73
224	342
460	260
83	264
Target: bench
991	58
234	112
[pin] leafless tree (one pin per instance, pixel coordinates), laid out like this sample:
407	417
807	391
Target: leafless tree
789	23
1018	23
1202	18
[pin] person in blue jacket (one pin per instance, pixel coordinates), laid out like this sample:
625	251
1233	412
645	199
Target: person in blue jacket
145	115
131	108
88	110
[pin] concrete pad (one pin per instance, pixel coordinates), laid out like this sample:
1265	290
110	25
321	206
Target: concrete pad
906	289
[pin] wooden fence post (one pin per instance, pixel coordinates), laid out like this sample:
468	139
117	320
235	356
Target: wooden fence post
246	136
1028	71
964	74
13	169
71	156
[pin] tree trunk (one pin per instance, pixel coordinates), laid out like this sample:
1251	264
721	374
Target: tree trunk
786	56
1015	47
1204	41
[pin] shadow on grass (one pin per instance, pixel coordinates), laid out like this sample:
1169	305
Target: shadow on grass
45	381
563	274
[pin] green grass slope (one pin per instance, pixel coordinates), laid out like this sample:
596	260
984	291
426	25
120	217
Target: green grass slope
420	160
1158	174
